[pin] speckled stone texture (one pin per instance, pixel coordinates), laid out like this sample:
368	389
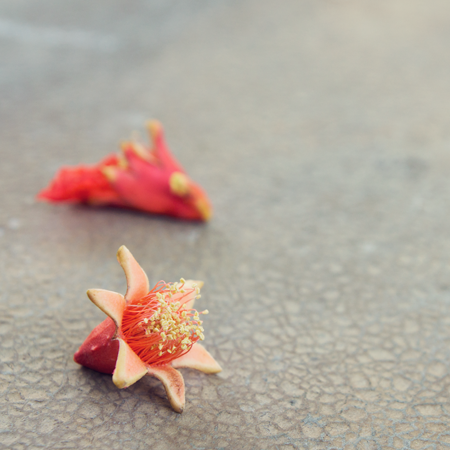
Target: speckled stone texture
321	131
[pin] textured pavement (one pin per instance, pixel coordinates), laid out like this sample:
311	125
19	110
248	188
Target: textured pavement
320	130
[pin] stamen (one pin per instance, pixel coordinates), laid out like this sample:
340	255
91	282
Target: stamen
161	329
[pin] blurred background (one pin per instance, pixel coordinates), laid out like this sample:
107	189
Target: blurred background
320	130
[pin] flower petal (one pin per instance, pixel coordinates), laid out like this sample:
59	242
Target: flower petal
111	303
173	384
83	184
129	367
160	149
137	281
198	358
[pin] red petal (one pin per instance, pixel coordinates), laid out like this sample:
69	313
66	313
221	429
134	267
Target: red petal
99	351
82	184
160	149
149	190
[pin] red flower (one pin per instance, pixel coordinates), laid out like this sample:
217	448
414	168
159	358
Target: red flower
148	332
147	179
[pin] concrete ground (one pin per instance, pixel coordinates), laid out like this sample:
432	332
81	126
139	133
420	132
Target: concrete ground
320	130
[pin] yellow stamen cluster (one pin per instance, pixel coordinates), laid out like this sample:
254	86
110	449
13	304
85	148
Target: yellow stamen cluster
158	327
177	327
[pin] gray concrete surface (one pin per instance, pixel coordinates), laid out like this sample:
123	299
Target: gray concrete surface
321	131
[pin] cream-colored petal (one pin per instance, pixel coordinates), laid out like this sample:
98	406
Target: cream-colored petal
198	358
137	281
173	384
111	303
189	299
129	367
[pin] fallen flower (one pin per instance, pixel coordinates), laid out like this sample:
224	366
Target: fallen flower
148	332
150	180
